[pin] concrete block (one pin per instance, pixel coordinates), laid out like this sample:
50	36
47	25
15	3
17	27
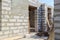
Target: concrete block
6	8
5	28
4	12
24	23
4	20
16	16
12	20
6	1
6	32
6	16
25	20
17	23
19	20
1	33
10	24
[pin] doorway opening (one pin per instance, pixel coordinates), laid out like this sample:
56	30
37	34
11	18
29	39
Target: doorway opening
32	17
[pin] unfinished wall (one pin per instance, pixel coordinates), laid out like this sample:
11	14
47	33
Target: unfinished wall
57	19
14	18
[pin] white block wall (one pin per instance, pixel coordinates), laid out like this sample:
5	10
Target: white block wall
14	18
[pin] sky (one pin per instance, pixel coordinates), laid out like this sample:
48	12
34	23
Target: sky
48	2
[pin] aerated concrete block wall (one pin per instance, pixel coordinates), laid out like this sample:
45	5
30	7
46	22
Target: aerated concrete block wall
14	18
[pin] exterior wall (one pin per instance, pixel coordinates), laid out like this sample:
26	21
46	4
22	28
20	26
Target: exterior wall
41	17
14	18
44	10
36	4
0	14
57	19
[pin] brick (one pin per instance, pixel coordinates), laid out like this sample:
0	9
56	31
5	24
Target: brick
4	36
6	8
6	16
5	12
12	20
24	24
5	28
13	27
1	33
25	30
3	24
15	31
16	16
20	27
19	20
21	30
10	24
6	32
4	20
5	4
25	20
10	31
9	1
10	35
2	16
22	17
9	12
17	23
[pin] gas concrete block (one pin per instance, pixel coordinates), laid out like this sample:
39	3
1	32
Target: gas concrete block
14	18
